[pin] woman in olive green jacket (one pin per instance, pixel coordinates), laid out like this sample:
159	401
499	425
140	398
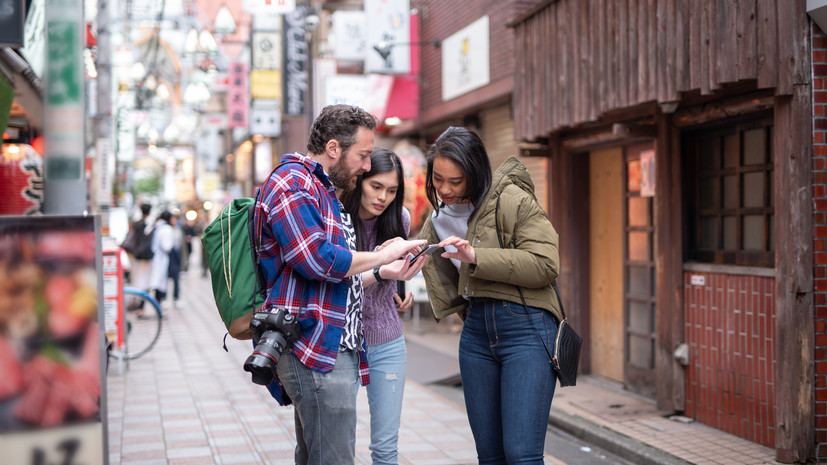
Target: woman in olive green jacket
507	377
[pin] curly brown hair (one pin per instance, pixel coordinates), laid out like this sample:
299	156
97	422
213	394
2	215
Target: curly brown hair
339	122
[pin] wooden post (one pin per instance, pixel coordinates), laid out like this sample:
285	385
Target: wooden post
671	386
569	195
794	337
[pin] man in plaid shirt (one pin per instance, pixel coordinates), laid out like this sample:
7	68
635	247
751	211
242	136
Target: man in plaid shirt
312	269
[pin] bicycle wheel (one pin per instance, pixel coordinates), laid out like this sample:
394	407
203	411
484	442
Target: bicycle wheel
142	324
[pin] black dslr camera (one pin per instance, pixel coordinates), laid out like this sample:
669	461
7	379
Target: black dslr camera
273	332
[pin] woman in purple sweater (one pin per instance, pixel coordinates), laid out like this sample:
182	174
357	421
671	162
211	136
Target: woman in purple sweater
376	208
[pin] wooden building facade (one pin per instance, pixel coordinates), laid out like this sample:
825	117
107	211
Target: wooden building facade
686	180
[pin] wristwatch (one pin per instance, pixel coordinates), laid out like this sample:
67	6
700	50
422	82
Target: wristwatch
376	275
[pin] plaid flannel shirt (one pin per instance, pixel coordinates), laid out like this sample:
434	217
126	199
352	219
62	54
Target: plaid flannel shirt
305	257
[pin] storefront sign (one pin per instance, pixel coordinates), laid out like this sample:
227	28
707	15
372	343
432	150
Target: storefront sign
113	296
265	84
268	6
346	89
296	61
266	50
465	60
349	32
11	23
388	29
265	119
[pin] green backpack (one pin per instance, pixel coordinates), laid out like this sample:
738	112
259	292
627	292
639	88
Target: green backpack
230	244
238	284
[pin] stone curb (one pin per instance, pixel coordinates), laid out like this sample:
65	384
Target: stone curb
611	441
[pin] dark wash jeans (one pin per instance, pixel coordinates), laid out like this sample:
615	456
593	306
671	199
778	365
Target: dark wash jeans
507	379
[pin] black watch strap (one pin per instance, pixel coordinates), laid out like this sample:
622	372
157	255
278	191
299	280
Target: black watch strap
376	275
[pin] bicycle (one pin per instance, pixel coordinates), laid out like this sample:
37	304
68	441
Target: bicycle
142	325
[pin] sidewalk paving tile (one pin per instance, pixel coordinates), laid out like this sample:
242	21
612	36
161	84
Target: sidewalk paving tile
190	401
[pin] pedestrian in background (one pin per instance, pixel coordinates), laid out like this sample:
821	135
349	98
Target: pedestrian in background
175	258
507	377
163	240
138	244
313	271
200	226
378	216
190	233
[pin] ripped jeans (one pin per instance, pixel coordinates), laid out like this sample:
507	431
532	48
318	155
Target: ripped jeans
387	382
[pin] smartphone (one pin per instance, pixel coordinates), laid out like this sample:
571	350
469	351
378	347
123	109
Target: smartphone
400	289
431	248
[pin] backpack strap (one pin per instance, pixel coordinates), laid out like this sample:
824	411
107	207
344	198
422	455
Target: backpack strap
261	287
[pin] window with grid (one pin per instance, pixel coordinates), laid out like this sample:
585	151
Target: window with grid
729	181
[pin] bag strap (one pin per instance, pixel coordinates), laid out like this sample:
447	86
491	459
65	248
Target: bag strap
500	240
227	262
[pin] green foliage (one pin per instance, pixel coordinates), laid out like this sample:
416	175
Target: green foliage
147	185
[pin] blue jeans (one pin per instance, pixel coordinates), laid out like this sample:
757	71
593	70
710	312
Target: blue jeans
507	379
324	408
387	383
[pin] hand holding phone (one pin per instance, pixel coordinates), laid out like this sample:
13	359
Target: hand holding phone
431	248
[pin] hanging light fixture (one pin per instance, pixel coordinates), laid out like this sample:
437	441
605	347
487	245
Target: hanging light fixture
192	44
224	22
207	42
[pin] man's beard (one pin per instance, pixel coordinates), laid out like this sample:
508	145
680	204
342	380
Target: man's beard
340	177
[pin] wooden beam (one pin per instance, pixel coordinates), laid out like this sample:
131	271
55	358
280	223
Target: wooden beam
723	109
617	134
794	301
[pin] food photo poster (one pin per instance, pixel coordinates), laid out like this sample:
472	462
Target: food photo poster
52	408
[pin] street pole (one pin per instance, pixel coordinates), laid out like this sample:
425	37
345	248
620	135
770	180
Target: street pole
103	116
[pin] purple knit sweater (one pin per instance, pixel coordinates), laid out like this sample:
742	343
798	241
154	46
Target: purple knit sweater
381	321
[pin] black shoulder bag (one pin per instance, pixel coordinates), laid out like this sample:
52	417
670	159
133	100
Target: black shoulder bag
566	356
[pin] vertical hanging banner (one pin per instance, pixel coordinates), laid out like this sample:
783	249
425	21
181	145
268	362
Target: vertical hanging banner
238	97
64	108
296	62
388	36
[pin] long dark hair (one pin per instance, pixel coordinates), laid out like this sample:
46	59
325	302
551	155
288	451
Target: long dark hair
389	224
464	148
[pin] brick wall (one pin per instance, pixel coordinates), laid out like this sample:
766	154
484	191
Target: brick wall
820	236
730	330
441	19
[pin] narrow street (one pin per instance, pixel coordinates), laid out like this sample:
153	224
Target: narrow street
189	402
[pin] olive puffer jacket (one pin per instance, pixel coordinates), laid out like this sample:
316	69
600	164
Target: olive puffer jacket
530	258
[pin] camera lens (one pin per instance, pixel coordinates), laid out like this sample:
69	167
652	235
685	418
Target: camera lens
262	362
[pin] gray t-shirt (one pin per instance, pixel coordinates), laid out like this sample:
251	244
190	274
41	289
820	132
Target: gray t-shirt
452	221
